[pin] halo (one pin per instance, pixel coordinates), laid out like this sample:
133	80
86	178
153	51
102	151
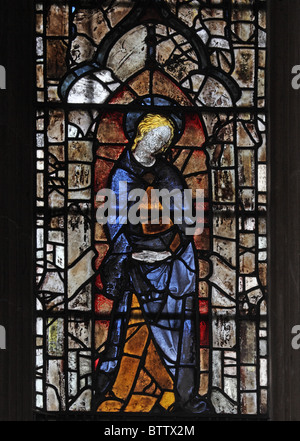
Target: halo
132	119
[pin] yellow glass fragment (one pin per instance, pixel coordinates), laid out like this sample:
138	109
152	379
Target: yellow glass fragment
167	400
137	342
144	381
110	406
125	377
140	403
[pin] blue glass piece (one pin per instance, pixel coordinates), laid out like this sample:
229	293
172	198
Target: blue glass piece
159	276
83	70
68	81
109	366
160	101
187	356
182	280
167	341
122	245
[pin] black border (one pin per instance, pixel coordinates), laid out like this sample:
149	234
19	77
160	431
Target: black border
17	199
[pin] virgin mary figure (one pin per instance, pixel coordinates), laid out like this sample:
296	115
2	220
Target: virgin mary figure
151	358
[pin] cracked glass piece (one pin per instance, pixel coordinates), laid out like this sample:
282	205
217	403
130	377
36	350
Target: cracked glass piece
128	55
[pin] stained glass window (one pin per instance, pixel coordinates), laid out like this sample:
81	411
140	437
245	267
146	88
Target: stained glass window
146	317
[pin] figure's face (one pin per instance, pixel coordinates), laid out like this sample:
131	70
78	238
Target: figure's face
155	140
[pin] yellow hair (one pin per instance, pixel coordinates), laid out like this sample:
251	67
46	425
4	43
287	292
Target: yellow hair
152	121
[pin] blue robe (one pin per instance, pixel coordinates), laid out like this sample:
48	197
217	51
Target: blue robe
166	290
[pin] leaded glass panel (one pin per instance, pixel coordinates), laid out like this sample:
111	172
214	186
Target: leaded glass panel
185	332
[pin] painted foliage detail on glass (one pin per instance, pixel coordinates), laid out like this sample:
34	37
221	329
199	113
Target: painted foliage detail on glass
136	316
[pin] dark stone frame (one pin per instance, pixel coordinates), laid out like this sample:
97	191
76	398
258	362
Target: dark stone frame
17	209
